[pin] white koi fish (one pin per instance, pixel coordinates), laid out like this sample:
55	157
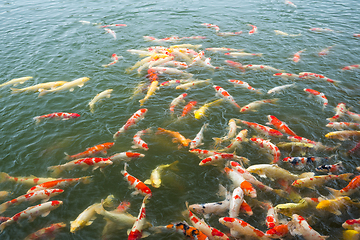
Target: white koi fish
176	101
135	118
227	34
299	226
353	116
16	81
243	54
278	32
224	49
112	32
225	95
279	89
251	106
188	85
262	67
231	133
39	87
98	97
197	141
67	86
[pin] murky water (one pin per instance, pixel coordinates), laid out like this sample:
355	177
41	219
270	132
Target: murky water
45	40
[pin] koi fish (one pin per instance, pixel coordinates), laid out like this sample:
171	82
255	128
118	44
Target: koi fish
188	108
134	119
287	75
168	39
39	87
352	187
188	85
278	32
61	183
171	71
301	162
338	167
139	186
267	131
311	182
273	171
296	138
317	94
199	113
187	45
239	83
279	89
151	91
288	209
137	229
101	148
32	212
217	158
114	25
57	115
231	133
227	34
352	224
243	54
335	205
235	202
351	67
16	81
155	176
223	49
276	232
177	136
270	147
242	228
85	218
29	181
354	149
287	2
138	142
299	226
281	126
271	219
239	180
321	30
189	232
296	57
98	97
172	82
262	67
253	30
197	141
4	194
351	235
309	75
117	216
46	232
342	135
125	156
209	25
112	32
182	65
325	51
256	104
84	163
115	59
353	116
68	85
225	95
343	125
236	142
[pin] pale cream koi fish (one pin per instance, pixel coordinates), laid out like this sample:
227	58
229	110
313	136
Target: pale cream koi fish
98	97
67	86
16	81
39	87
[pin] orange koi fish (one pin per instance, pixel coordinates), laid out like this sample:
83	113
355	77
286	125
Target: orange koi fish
61	183
236	65
279	231
241	227
57	115
135	118
139	186
225	95
296	57
245	85
272	148
188	108
137	229
177	136
352	187
253	30
47	232
317	94
267	131
239	180
101	148
281	126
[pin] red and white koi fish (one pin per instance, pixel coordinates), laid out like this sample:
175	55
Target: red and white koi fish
188	85
343	125
239	83
356	35
325	51
84	163
32	212
236	65
114	25
172	82
311	182
194	37
138	142
236	142
224	94
338	167
321	30
206	63
112	32
301	162
125	156
197	141
281	126
236	200
355	149
223	49
176	101
351	67
296	57
209	25
43	195
267	131
271	219
353	116
352	224
188	108
168	39
243	54
257	104
61	183
57	115
279	231
115	59
139	186
296	138
227	34
340	112
262	67
47	232
239	180
279	89
101	148
221	157
309	75
135	118
270	147
231	133
278	32
137	229
253	30
321	96
299	226
287	2
351	188
29	181
201	153
242	228
287	75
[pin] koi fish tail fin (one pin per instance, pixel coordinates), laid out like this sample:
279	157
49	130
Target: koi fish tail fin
86	180
259	54
173	166
160	130
242	160
334	192
274	100
37	120
3	207
346	176
67	157
15	90
3	177
335	82
2	227
43	92
306	174
142	101
91	108
100	209
56	170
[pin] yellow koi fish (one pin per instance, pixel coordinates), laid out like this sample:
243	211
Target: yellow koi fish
342	135
16	81
177	136
278	32
39	87
150	92
69	85
98	97
155	177
201	111
333	205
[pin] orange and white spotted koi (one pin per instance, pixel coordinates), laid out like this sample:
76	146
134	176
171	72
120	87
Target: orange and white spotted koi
177	136
325	51
112	32
173	82
135	118
264	130
343	125
227	34
125	156
262	67
201	153
251	106
176	101
236	200
281	126
309	75
197	141
138	142
32	212
239	181
225	95
287	75
236	142
279	231
299	226
296	57
351	67
28	181
270	147
242	84
47	232
253	30
61	183
321	96
236	65
231	133
101	148
139	186
57	115
115	59
311	182
137	229
351	188
240	227
340	112
43	195
206	63
114	25
321	30
353	116
168	39
221	157
188	108
209	25
271	219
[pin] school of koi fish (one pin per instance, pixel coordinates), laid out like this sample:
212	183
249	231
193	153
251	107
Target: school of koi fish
295	169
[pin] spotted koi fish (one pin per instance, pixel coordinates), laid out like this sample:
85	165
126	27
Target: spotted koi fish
177	136
271	219
354	116
220	158
239	180
352	187
352	224
61	183
338	167
57	115
28	181
135	118
279	231
236	200
310	182
351	67
173	82
262	67
241	227
239	83
101	148
189	232
139	186
46	232
225	95
317	94
125	156
32	212
270	147
111	32
251	106
197	141
267	131
114	25
209	25
301	162
299	226
309	75
281	126
287	75
296	57
191	84
176	101
325	51
138	142
236	65
115	59
226	34
137	229
253	30
188	108
236	142
231	133
343	125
